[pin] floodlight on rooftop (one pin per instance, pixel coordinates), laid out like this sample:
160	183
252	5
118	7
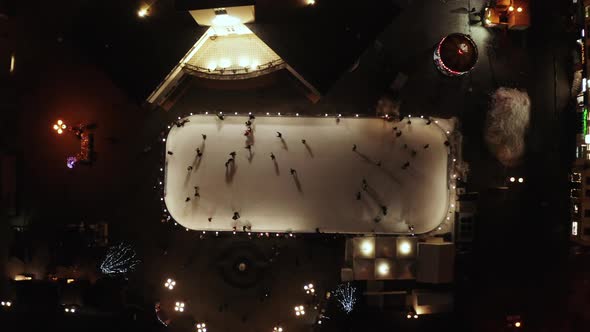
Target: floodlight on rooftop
244	62
224	63
367	247
405	247
142	12
383	268
225	20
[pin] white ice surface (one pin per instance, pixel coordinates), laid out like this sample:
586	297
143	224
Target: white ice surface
329	173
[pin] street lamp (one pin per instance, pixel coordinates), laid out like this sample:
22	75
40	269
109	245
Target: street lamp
59	127
143	12
179	306
201	327
170	284
309	289
299	311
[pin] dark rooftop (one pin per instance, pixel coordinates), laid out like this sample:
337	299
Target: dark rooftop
322	42
137	53
205	4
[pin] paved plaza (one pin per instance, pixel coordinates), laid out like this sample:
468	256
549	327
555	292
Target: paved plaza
324	191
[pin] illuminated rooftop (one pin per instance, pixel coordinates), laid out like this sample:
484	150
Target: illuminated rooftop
240	53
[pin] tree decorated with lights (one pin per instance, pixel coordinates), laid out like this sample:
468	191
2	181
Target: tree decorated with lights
120	259
345	294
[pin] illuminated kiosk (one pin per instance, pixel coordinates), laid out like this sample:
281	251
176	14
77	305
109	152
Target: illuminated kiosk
325	191
455	55
228	50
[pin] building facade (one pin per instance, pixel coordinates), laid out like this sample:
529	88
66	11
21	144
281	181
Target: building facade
580	176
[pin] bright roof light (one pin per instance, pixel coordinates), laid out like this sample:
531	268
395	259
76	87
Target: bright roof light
224	63
405	247
383	268
225	20
367	247
244	62
142	12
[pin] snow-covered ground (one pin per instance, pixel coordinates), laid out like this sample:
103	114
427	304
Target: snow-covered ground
329	174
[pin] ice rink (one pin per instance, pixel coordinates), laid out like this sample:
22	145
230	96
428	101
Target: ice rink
329	175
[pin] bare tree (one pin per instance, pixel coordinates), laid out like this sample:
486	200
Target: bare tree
506	125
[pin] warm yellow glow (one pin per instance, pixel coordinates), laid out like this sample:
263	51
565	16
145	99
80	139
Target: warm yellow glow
383	269
254	64
212	65
70	280
59	131
55	127
367	247
409	316
244	62
277	329
20	277
225	20
512	179
488	21
517	324
310	2
519	9
224	63
59	122
510	8
12	60
299	311
142	12
405	248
